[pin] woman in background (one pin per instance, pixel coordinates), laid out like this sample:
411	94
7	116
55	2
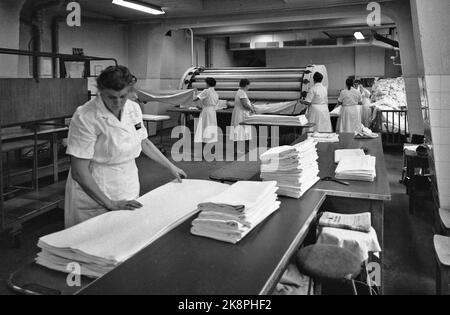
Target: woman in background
242	109
350	99
366	109
207	124
317	100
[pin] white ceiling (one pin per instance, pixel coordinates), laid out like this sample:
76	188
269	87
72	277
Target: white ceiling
228	17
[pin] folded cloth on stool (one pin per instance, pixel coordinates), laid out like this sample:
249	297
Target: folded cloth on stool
359	243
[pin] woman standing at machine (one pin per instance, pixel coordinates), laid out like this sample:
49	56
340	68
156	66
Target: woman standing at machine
350	99
366	110
106	136
317	100
207	124
242	109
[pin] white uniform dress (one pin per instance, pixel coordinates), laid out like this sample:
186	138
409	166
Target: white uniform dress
240	113
112	146
207	124
350	119
319	113
366	110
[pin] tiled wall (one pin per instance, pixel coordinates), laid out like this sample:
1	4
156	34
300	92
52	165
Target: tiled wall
438	89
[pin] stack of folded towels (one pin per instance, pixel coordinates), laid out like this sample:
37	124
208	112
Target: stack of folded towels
231	215
360	168
294	168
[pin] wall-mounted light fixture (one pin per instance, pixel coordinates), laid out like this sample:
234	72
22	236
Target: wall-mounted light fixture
359	36
140	6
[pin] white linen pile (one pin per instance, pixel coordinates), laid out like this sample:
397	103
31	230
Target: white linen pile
360	168
231	215
340	154
102	243
276	120
294	168
324	137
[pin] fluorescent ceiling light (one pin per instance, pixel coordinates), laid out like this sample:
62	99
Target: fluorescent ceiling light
359	36
140	6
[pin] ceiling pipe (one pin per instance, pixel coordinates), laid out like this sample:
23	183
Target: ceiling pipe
192	46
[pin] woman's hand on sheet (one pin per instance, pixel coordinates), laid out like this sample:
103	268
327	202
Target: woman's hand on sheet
178	173
125	205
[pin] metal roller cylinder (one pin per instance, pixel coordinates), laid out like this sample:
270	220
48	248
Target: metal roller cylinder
264	86
253	70
255	77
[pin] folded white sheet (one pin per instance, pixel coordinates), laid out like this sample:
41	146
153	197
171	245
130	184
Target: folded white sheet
113	237
340	154
361	168
215	230
240	196
359	243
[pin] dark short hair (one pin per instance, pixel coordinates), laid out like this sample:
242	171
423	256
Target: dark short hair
244	83
211	82
115	78
350	82
318	77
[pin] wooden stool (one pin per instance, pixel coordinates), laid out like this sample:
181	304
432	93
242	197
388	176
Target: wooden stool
329	263
442	249
444	220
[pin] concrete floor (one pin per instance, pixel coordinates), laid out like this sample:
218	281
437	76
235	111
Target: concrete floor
409	258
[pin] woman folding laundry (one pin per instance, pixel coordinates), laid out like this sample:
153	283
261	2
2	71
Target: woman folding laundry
350	99
106	135
242	109
207	124
366	110
317	100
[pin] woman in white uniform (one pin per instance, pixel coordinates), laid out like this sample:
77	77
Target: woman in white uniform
207	124
106	135
242	109
350	99
317	100
366	110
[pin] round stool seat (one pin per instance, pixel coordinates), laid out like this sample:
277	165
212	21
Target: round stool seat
328	262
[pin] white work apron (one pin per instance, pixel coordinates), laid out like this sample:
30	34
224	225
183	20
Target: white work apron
117	182
320	116
350	119
207	126
240	132
366	113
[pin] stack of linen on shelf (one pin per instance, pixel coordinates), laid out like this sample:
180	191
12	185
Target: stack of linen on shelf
231	215
103	242
294	168
276	120
360	168
324	137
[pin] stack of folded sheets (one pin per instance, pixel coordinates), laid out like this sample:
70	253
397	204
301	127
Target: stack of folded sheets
324	137
231	215
276	120
360	168
294	168
102	243
340	154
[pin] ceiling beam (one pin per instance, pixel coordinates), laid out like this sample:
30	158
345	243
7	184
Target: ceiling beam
321	25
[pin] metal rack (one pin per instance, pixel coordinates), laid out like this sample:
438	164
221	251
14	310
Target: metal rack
41	99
